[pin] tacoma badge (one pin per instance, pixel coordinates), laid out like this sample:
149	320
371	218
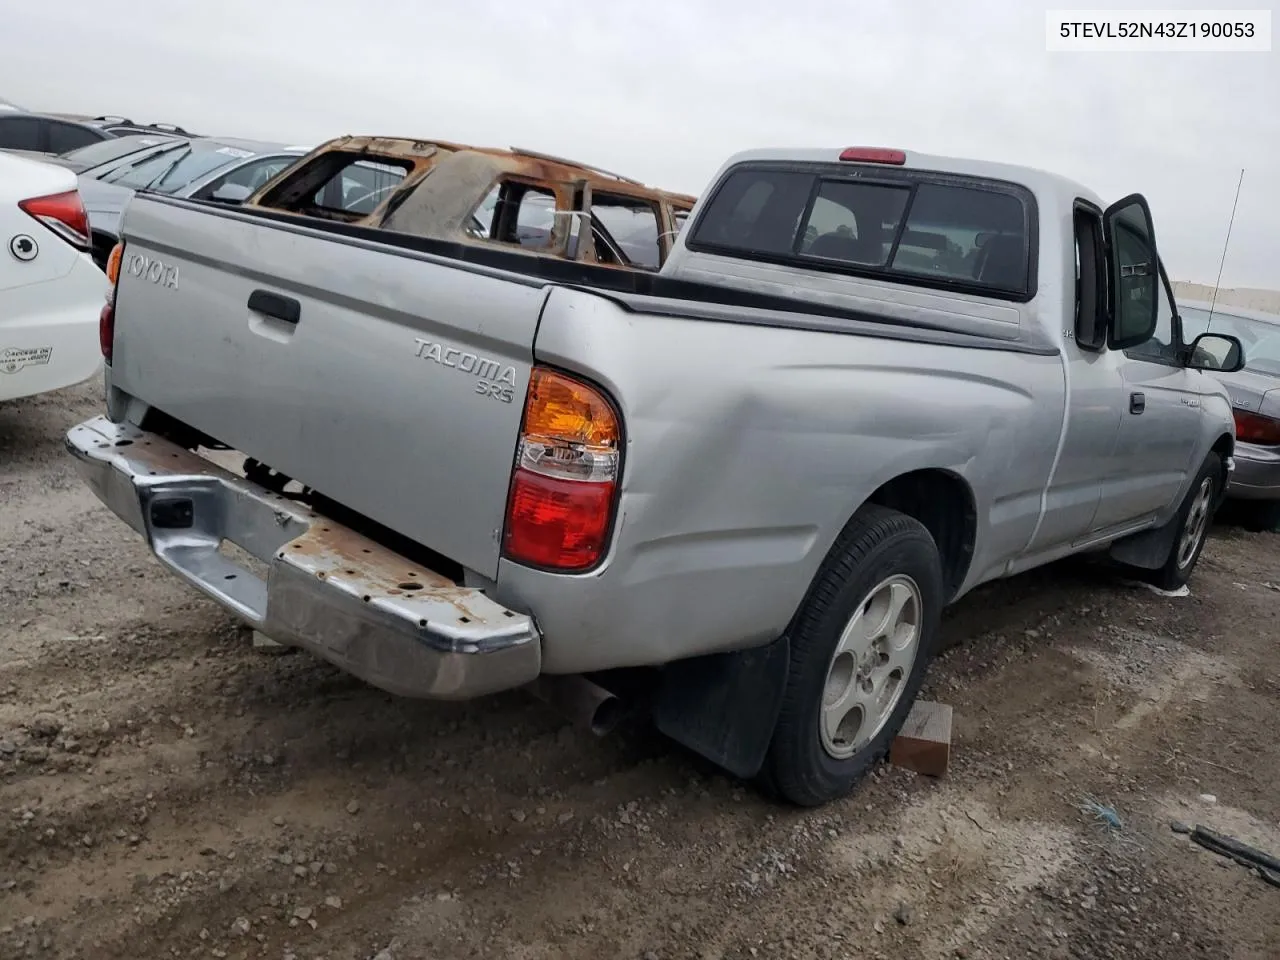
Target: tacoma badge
493	379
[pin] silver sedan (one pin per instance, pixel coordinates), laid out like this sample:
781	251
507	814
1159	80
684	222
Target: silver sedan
1255	399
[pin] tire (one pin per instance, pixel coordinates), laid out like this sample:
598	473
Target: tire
1192	520
881	558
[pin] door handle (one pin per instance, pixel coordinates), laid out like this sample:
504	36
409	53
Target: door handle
276	306
1137	402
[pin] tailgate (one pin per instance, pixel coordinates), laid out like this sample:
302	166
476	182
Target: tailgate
386	380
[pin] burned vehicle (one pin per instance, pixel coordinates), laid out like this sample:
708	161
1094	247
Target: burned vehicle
481	196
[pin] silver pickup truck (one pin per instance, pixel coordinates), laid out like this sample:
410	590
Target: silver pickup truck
864	382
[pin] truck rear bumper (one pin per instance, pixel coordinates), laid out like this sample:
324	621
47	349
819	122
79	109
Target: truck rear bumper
327	589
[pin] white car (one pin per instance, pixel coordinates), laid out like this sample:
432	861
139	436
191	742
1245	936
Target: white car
51	293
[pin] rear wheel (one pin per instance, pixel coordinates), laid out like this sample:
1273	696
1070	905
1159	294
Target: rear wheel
860	648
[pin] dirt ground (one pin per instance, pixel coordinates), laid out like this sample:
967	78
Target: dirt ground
165	791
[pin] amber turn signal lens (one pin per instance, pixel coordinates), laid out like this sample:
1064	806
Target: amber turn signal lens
568	411
113	263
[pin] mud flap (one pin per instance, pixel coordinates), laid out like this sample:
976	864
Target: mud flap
1148	550
724	707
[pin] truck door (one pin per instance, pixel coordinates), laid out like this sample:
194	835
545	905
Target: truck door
1094	389
1159	425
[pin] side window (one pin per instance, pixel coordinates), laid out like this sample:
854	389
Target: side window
355	188
1163	345
369	184
64	137
1132	272
534	218
251	176
20	133
1091	303
481	224
515	212
633	225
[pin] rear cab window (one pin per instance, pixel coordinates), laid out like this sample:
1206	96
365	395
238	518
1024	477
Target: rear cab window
906	226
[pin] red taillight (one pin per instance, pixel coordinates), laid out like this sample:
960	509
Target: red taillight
64	214
1255	428
107	330
561	505
107	318
873	155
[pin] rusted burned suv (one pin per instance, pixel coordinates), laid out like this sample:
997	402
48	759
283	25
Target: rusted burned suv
482	196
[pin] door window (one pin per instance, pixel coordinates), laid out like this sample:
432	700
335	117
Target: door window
1133	267
64	137
20	133
249	177
1163	345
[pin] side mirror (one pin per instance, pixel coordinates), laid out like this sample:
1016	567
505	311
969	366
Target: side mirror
231	193
1216	353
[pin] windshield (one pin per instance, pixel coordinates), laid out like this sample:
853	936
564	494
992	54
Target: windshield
1261	339
171	170
194	164
104	151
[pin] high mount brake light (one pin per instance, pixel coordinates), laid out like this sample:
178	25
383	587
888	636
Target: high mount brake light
63	213
107	318
1255	428
873	155
560	509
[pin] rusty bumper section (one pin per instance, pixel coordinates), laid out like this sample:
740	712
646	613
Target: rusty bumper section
329	590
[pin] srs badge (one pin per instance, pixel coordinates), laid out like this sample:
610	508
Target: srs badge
24	248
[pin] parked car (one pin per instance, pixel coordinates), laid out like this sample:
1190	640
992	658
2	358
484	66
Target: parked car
45	133
123	126
51	293
480	196
210	168
1255	399
762	471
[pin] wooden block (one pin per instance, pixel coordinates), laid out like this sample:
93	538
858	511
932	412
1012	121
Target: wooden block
924	744
264	644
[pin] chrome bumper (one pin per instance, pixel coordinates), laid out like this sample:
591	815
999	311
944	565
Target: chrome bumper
362	607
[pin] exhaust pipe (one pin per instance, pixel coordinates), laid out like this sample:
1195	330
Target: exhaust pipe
587	704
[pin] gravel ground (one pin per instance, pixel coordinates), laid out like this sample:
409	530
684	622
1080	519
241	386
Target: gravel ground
165	791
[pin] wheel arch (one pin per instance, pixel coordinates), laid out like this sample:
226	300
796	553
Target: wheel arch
724	707
944	502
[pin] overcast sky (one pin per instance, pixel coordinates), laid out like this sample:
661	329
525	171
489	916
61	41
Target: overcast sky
665	90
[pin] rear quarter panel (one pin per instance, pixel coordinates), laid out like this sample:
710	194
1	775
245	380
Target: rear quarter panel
749	447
